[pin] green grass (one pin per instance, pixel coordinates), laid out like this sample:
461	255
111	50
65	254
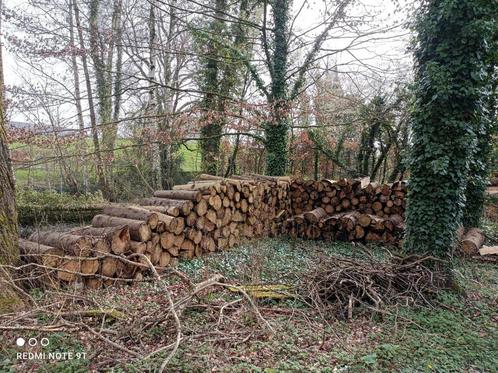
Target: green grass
191	157
39	175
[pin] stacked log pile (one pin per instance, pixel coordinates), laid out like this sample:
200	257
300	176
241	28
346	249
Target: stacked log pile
348	210
344	195
203	216
344	226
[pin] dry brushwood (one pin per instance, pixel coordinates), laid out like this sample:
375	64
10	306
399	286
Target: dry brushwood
344	285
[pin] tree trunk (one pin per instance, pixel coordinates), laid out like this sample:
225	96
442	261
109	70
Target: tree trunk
77	96
9	234
99	164
9	248
276	131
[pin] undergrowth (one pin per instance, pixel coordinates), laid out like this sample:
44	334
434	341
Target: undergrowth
458	334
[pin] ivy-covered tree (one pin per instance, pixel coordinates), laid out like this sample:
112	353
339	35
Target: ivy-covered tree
451	91
480	162
220	74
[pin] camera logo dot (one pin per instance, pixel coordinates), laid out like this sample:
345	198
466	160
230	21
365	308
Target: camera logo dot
44	342
20	341
32	342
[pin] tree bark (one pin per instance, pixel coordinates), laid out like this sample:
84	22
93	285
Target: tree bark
99	164
9	248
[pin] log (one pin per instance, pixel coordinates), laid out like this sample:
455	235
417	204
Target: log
179	194
109	266
199	186
364	220
132	212
90	266
138	247
201	207
164	259
46	255
100	246
187	249
171	211
488	250
69	264
349	220
93	283
117	237
314	216
71	244
472	241
185	206
139	231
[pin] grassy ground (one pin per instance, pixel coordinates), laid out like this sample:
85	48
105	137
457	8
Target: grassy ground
221	332
41	177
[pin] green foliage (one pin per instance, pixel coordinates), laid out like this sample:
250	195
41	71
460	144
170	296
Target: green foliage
53	199
51	206
451	93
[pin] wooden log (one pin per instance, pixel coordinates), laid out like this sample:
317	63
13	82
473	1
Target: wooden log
472	241
132	212
364	220
167	240
373	237
100	246
488	250
171	211
165	258
117	237
190	219
179	194
90	266
138	247
349	220
199	186
314	216
71	265
139	231
185	206
38	253
194	235
72	244
208	244
109	266
215	202
201	207
359	232
211	216
92	282
187	249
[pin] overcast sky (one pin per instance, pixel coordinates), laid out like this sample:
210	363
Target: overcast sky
382	60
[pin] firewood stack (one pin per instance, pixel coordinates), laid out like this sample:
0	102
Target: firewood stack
348	195
203	216
349	210
344	226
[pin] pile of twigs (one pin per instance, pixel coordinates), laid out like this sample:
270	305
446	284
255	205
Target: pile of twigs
341	285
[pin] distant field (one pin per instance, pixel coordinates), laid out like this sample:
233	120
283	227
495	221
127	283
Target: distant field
191	157
49	176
